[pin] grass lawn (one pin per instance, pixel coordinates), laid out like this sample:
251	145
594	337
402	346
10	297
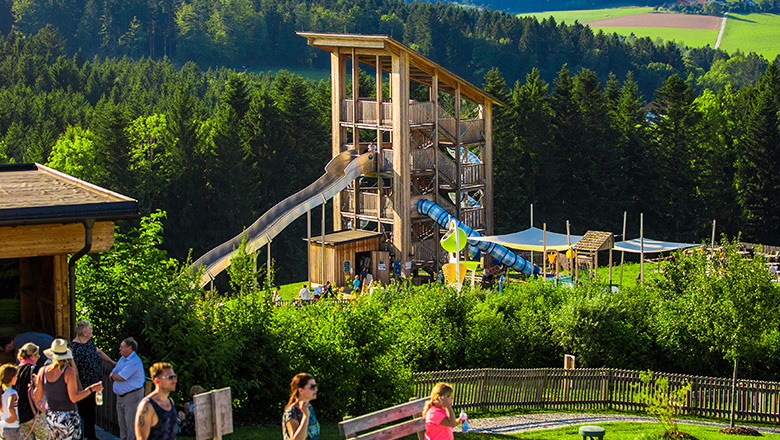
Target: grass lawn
689	37
621	431
614	431
758	33
755	32
587	15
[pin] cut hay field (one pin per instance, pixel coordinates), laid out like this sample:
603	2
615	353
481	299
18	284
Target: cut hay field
758	33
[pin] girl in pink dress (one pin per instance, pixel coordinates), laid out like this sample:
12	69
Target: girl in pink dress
438	414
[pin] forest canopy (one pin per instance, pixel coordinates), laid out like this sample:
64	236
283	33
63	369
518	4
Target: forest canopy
684	136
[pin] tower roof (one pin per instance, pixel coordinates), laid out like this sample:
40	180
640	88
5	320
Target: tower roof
421	69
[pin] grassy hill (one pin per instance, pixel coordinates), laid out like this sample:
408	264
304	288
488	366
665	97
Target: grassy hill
758	33
755	32
586	15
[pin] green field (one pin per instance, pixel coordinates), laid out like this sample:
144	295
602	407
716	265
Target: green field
758	33
587	15
688	37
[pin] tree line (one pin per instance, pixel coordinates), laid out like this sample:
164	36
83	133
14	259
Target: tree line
585	152
236	33
216	149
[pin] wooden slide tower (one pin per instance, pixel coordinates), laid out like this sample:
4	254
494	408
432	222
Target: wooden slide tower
439	148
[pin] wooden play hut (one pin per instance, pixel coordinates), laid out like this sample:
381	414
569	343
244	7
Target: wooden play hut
46	215
588	248
342	254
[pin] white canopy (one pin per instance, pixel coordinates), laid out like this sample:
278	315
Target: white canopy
531	239
651	246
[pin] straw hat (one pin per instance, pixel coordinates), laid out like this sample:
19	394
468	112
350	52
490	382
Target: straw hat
59	350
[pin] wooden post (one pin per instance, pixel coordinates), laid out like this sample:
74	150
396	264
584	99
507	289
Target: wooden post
338	76
308	250
487	160
322	263
544	246
215	415
379	153
623	253
355	134
642	247
458	158
435	100
399	86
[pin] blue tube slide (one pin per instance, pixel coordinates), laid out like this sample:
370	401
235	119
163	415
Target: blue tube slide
504	255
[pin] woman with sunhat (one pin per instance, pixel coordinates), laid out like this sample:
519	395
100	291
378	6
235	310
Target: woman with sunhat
60	385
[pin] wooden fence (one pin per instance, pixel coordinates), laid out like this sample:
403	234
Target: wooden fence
588	389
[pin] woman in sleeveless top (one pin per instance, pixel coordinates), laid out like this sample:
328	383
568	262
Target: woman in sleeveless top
59	383
298	420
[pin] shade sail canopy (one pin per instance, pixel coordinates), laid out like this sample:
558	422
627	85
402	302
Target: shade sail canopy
651	246
531	239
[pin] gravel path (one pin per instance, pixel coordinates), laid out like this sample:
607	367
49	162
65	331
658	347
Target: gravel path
532	422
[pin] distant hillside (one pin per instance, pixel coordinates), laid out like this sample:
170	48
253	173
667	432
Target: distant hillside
525	6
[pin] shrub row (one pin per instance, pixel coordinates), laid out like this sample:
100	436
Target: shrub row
364	354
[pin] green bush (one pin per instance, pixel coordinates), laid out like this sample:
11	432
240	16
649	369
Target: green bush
364	354
350	349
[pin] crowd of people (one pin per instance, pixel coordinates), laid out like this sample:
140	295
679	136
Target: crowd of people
55	397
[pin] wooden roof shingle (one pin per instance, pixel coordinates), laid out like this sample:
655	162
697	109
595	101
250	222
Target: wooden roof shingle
36	194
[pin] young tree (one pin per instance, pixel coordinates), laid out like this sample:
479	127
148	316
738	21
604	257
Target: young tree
730	300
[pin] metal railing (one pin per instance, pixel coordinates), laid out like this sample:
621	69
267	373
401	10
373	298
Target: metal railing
588	389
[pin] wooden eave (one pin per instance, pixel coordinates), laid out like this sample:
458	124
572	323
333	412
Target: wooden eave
344	237
35	194
594	241
421	69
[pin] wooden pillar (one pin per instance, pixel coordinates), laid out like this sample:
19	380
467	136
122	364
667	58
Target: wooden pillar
61	296
355	133
379	153
487	160
435	100
338	75
458	158
399	86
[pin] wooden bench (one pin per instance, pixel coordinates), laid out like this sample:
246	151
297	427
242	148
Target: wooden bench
352	427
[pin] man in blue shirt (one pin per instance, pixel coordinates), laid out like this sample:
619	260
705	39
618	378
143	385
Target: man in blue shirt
128	377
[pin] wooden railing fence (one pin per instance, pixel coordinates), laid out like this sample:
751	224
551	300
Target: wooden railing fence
588	389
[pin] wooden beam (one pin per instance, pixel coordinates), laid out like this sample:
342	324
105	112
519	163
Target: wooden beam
338	76
487	159
61	294
346	42
52	239
399	85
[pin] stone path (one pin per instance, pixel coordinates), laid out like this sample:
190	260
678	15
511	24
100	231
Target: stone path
532	422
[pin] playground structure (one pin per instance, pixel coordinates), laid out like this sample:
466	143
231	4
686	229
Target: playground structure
390	154
424	150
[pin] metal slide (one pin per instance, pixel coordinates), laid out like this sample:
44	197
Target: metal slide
504	255
339	173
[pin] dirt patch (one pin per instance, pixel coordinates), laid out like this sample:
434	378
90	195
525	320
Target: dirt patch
661	20
740	430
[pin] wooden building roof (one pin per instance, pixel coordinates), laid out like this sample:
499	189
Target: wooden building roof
36	194
594	241
421	69
344	237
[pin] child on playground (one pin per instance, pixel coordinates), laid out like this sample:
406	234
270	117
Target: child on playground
438	413
9	420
